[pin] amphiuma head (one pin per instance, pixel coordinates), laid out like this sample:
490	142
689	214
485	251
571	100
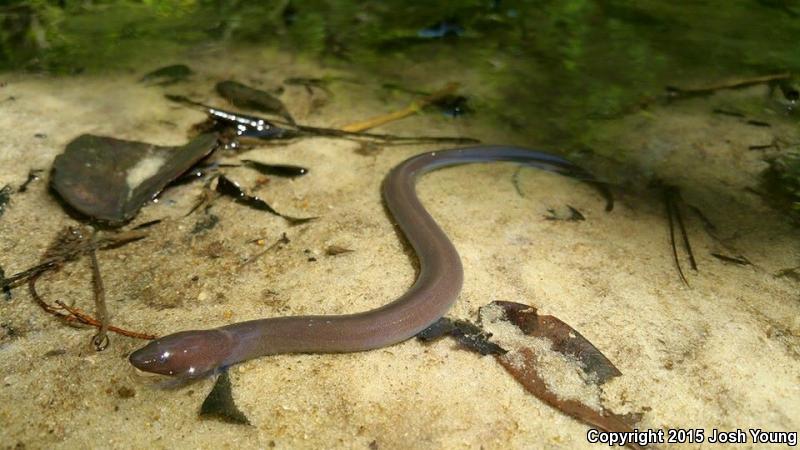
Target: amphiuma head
187	354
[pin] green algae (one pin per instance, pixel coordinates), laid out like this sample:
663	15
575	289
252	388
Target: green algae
557	72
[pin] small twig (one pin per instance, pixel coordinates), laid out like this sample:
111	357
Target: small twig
71	253
100	340
675	92
740	260
18	278
387	138
413	108
86	319
685	236
43	304
288	131
283	240
207	195
707	224
668	205
68	247
515	181
76	316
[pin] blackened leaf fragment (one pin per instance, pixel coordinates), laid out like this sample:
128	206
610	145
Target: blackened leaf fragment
672	197
758	123
109	179
740	260
441	29
205	223
246	97
219	403
198	172
565	339
167	75
231	189
6	288
5	196
727	112
475	339
465	333
33	175
281	170
336	250
573	216
792	273
147	224
453	105
440	328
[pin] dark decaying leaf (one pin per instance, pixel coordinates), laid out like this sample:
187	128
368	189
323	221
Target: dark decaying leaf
6	288
219	403
521	361
33	175
521	364
281	170
467	334
148	224
336	250
791	273
573	215
439	329
167	75
231	189
565	339
205	223
246	97
740	260
109	179
5	196
233	126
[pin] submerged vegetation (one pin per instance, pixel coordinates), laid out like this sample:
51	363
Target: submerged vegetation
557	70
573	60
783	178
565	36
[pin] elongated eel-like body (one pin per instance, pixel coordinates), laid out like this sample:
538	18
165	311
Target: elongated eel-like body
191	354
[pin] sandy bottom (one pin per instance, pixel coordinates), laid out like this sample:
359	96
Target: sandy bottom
723	353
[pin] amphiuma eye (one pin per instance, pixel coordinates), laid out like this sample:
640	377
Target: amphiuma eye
164	357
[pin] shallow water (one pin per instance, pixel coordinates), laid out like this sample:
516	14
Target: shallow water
583	79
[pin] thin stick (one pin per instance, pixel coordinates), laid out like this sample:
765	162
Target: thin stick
686	244
100	340
412	108
668	204
283	240
730	84
293	131
43	304
334	132
56	261
76	316
515	181
89	320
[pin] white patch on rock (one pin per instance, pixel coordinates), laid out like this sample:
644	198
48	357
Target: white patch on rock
143	170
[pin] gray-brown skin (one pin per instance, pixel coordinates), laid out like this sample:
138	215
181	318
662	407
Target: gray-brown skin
192	354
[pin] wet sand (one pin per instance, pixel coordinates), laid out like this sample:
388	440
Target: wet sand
723	353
